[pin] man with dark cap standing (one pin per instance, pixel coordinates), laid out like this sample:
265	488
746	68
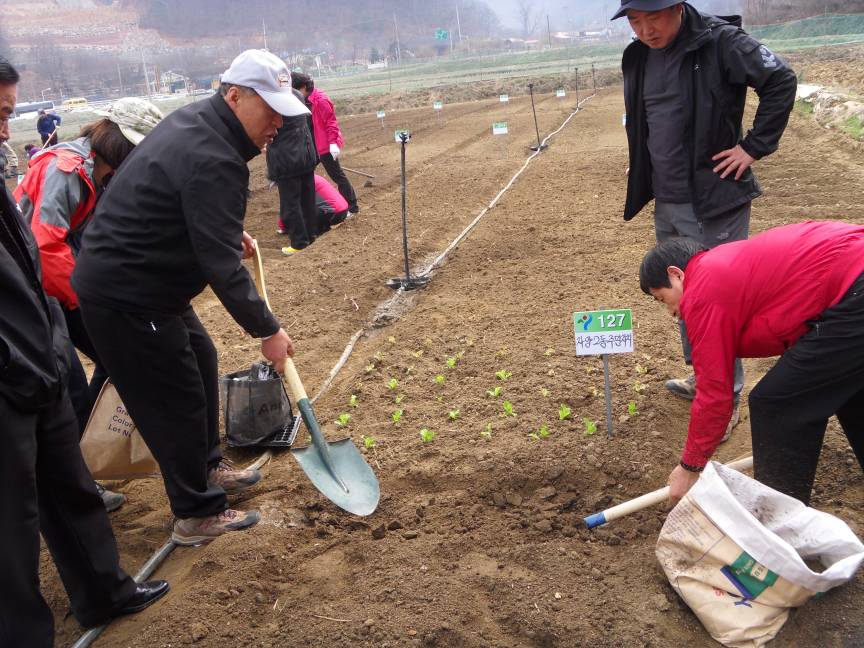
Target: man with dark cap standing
685	82
169	225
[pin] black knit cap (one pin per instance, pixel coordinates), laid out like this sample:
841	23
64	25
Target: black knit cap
643	5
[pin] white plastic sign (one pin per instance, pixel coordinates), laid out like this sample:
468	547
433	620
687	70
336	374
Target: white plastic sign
603	332
437	105
499	128
398	135
380	114
504	98
560	93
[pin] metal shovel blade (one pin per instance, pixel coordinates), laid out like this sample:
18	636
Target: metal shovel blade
337	469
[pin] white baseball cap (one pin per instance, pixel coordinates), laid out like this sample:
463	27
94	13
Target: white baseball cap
267	75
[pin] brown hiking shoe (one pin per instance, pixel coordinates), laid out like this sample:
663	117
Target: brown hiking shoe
232	480
195	531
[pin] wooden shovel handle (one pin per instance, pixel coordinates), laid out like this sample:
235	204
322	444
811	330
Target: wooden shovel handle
291	375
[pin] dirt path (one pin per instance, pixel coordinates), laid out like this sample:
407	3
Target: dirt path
484	544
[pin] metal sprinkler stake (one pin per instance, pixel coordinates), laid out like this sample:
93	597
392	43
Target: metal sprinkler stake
407	282
539	146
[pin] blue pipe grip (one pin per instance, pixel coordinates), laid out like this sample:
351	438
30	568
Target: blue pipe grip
595	520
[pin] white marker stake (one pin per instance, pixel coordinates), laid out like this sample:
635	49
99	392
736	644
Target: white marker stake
601	333
381	117
504	98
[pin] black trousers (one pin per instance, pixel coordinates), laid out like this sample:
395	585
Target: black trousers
334	170
45	486
45	138
82	393
165	370
297	209
821	375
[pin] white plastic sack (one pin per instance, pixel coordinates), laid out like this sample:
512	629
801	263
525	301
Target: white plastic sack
735	552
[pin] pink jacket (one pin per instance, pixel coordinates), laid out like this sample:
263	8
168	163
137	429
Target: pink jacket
330	195
324	122
754	299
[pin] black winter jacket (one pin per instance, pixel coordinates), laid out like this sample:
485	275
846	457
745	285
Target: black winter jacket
34	345
171	221
721	61
293	153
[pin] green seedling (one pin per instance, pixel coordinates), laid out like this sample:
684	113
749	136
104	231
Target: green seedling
533	435
487	433
379	356
392	339
417	354
392	383
342	419
548	352
564	412
494	393
639	387
453	414
451	362
631	409
427	436
353	400
399	398
590	370
369	368
503	374
460	354
543	432
368	442
595	392
440	399
641	370
508	409
397	416
544	392
590	426
440	379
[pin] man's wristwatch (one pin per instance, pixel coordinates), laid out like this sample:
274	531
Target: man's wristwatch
689	468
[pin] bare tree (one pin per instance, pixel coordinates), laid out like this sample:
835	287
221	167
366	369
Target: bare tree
529	17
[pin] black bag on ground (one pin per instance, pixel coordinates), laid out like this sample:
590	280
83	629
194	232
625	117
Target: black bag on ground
255	405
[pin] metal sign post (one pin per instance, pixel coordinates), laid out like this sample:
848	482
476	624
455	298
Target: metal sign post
539	146
407	282
603	333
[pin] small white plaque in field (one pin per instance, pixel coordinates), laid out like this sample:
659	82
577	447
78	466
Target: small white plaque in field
437	105
560	93
499	128
603	332
381	114
504	98
624	119
397	135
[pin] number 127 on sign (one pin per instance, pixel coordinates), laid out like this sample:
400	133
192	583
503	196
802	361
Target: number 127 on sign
603	332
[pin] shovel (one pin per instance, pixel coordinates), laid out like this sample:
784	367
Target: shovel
336	469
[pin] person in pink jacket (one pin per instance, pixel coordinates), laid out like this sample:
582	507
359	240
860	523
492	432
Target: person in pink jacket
328	137
796	292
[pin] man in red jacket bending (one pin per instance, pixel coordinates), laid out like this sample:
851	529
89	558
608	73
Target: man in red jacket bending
795	291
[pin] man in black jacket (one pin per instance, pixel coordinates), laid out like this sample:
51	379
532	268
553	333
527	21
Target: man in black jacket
291	162
44	483
170	224
685	83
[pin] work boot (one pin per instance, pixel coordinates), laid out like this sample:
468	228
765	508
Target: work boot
110	499
232	480
736	416
196	531
683	387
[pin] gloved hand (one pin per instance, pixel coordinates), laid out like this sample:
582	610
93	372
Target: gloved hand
334	151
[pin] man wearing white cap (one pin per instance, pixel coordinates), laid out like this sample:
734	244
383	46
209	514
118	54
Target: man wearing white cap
171	224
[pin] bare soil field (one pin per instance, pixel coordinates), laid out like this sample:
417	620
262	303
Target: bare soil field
482	541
